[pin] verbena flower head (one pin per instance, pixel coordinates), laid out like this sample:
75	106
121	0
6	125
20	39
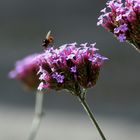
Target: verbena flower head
70	67
26	71
122	18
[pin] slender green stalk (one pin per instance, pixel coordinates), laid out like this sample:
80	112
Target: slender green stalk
37	117
88	111
135	45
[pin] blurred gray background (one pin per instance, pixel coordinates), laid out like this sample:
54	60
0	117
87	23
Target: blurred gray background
115	100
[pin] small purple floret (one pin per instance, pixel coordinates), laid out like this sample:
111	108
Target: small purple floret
116	30
73	69
123	27
121	37
58	77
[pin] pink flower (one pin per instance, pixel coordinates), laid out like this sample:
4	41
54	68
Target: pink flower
26	71
121	37
122	18
70	67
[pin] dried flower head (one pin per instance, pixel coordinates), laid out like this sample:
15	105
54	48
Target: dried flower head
26	71
70	67
122	18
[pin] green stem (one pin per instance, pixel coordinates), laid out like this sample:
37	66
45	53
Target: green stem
38	115
135	45
84	94
87	109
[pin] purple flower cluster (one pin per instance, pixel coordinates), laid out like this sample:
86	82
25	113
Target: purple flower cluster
70	67
26	71
122	18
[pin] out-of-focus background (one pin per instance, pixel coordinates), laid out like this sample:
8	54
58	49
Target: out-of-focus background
115	100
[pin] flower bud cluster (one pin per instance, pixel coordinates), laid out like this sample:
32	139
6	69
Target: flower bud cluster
26	71
70	67
122	18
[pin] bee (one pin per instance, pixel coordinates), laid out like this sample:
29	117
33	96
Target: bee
48	40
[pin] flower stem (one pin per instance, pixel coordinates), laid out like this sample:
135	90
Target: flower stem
135	45
38	115
87	109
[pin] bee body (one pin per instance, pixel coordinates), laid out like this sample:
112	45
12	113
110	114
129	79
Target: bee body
48	40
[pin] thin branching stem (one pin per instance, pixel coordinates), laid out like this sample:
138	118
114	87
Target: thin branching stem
136	46
37	117
91	116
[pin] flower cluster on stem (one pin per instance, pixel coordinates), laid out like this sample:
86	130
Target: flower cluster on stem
70	67
26	71
122	18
